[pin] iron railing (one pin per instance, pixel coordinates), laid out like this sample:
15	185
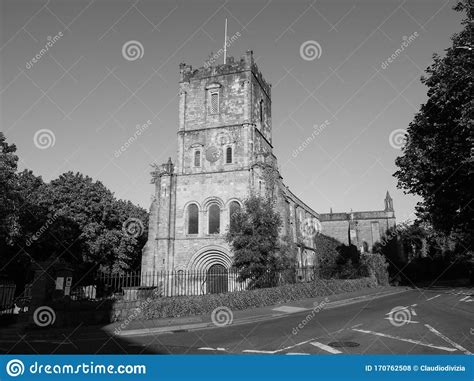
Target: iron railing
7	298
135	285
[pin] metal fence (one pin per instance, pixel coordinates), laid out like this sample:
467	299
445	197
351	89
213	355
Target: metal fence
136	285
7	297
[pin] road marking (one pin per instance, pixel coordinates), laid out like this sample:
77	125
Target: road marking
257	351
289	309
211	349
357	325
448	340
406	340
433	297
297	354
325	347
466	299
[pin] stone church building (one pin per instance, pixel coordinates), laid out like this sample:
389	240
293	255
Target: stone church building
225	152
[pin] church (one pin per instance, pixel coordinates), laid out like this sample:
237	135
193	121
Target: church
224	154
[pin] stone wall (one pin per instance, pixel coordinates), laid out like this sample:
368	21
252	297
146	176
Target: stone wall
367	227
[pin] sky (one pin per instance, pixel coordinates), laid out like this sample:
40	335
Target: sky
72	94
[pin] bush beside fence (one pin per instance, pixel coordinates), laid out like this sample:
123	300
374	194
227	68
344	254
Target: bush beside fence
156	308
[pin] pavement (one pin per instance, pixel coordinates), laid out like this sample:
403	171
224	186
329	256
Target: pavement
430	320
251	315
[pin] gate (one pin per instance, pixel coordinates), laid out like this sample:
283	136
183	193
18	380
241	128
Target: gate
217	279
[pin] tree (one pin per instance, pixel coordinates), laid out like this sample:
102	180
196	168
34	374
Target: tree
437	159
254	237
9	196
71	218
91	223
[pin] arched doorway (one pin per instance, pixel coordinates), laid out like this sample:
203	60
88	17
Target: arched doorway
217	279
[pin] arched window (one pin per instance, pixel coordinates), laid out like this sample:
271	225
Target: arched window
234	208
193	219
214	219
197	158
228	155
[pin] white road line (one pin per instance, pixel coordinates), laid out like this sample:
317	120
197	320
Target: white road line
466	299
413	312
325	347
297	354
211	349
256	351
448	340
406	340
433	297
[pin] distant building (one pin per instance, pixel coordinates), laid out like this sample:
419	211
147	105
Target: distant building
361	229
225	152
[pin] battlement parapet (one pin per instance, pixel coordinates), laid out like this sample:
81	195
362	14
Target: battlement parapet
246	63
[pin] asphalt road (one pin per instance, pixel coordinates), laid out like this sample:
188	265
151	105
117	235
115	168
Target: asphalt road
423	321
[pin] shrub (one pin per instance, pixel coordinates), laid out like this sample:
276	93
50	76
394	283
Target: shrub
327	254
204	304
375	265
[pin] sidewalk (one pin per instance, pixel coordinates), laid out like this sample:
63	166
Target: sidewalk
250	315
171	325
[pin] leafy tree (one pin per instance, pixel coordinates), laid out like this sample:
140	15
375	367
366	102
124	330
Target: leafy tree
9	196
72	218
253	236
437	159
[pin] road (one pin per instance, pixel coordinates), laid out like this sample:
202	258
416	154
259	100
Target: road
421	321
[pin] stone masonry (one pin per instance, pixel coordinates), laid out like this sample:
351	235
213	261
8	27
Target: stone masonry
224	154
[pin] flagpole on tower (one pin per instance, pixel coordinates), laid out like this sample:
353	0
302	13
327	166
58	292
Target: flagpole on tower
225	42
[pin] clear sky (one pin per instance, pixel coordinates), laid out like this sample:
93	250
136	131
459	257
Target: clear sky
91	95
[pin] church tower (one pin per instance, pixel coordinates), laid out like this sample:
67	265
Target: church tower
224	131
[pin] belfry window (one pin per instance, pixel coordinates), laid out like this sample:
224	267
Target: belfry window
214	105
197	158
214	219
228	155
261	111
193	219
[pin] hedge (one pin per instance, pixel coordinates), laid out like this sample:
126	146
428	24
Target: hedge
204	304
